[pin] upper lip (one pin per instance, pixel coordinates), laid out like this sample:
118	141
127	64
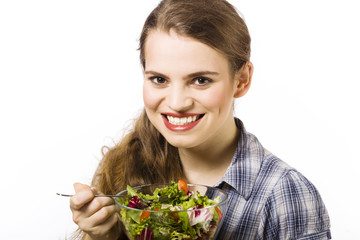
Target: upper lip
181	115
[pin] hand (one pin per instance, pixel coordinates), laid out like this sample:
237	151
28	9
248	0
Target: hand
96	216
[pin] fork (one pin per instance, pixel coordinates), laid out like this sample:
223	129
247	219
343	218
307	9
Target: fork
163	199
102	195
96	195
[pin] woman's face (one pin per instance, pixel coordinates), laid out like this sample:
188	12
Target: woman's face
188	89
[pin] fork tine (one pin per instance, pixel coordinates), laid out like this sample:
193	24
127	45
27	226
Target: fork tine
64	195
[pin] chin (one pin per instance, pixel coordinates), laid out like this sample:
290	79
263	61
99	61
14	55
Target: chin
182	141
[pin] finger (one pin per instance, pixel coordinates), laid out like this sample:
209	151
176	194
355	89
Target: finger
99	219
79	187
95	191
101	216
106	227
91	208
96	205
83	195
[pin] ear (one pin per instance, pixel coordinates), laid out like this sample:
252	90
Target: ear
243	79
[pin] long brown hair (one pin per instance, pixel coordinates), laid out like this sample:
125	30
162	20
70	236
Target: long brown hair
144	155
215	23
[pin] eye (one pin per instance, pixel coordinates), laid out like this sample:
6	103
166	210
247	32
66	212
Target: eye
158	80
202	81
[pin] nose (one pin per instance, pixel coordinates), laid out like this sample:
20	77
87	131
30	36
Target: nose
180	99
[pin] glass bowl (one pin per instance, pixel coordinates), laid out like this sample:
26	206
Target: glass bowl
163	223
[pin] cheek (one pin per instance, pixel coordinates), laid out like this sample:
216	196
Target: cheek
150	98
217	98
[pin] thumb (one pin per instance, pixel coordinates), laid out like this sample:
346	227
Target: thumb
83	195
79	187
96	191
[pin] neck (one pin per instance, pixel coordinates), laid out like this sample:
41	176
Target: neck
207	163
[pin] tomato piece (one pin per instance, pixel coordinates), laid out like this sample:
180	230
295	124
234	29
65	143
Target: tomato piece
182	186
217	209
144	214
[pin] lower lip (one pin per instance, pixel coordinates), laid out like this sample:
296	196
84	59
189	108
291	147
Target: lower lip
179	128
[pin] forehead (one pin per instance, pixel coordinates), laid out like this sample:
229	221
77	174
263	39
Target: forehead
173	52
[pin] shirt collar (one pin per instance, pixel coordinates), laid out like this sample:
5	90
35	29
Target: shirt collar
246	163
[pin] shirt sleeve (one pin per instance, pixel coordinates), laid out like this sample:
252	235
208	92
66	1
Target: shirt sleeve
294	210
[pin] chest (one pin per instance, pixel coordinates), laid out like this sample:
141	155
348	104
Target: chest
243	217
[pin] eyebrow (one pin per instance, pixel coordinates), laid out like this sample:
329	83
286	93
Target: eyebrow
195	74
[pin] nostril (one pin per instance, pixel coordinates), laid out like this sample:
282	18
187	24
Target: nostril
180	102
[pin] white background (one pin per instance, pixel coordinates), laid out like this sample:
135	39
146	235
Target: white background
71	81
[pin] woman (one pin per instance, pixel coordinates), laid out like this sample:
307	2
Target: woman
196	61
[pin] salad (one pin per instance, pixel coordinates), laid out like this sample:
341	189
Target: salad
171	212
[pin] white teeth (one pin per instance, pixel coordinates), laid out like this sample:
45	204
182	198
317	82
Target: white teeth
181	121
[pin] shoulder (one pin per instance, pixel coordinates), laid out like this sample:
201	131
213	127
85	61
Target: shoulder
294	209
288	204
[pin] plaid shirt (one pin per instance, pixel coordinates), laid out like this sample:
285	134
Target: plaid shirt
268	199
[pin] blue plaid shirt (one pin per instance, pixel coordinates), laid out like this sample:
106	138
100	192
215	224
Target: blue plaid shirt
268	199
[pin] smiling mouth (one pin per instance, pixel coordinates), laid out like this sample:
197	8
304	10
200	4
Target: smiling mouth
182	120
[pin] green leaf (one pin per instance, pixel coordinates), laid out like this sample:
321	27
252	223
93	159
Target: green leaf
131	191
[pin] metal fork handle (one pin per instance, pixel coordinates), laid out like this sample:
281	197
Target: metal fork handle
96	195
